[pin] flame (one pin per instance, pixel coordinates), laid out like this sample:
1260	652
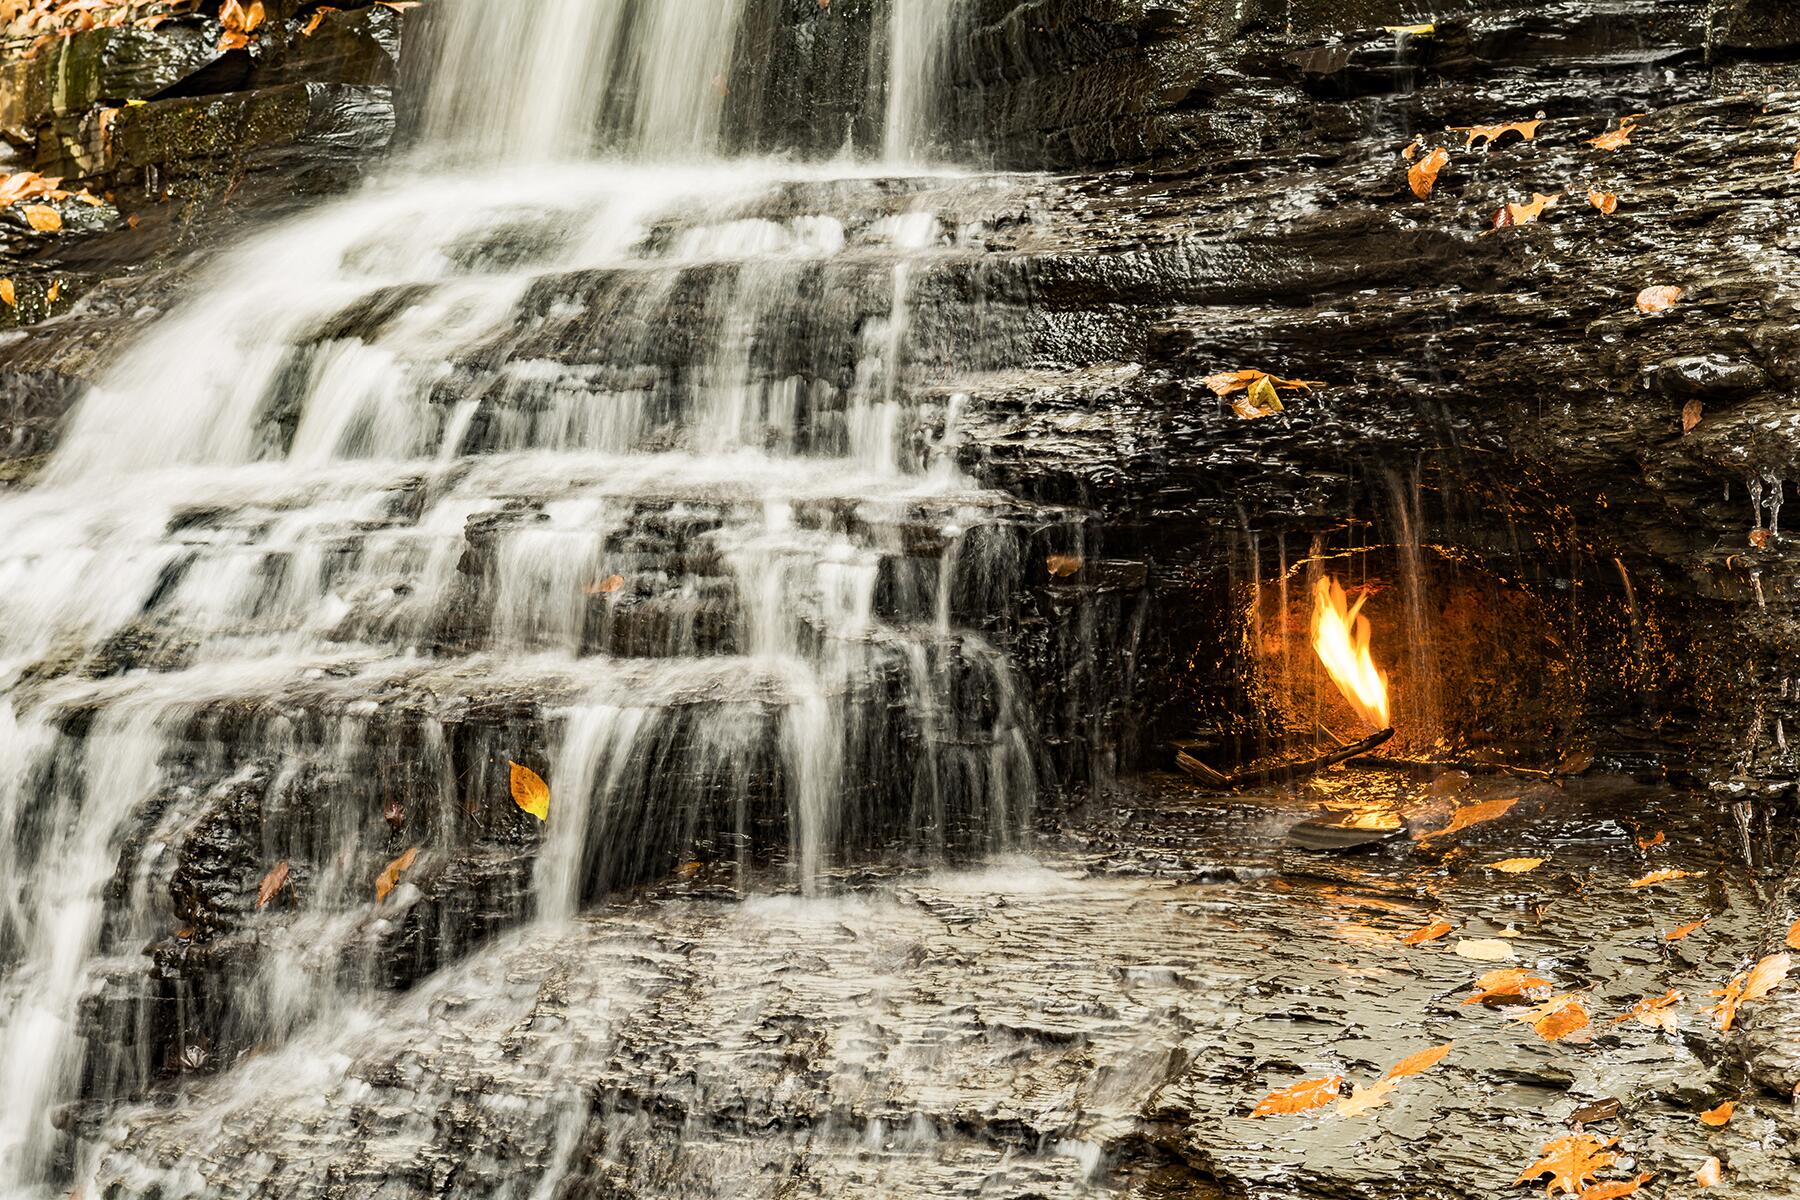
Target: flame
1341	638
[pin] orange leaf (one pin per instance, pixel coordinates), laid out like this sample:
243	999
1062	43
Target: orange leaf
272	883
1372	1095
1767	975
1645	843
1606	202
42	218
1691	412
1523	214
317	17
1063	565
1423	174
1508	983
605	587
1652	1012
1516	866
1304	1096
1436	930
1412	149
1666	875
1793	936
1418	1064
1718	1116
1616	138
54	291
1709	1174
1725	1011
1759	538
1260	401
389	879
530	792
1571	1162
1614	1189
1658	299
1681	931
1492	133
8	294
1559	1018
1227	382
1474	814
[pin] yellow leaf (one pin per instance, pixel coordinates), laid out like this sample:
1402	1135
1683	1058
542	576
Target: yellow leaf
530	792
317	17
1225	383
55	291
1367	1097
1484	949
1411	30
1718	1116
1415	1064
1767	975
1654	1013
1260	402
1616	1189
1301	1097
8	294
389	879
1516	866
1507	985
42	218
1522	214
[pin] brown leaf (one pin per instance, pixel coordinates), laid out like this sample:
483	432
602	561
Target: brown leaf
530	792
1653	1013
1516	866
1717	1117
1691	412
1225	383
1681	931
1606	202
1658	299
1645	843
1428	933
1759	538
605	587
1412	150
1615	1188
1423	174
389	879
1508	984
1261	401
1366	1097
394	812
1492	133
272	883
1599	1110
1666	875
318	16
1301	1097
1616	138
1570	1162
1063	565
1418	1064
42	218
1474	814
1709	1174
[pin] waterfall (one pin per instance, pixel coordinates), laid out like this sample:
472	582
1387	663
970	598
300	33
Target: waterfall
615	462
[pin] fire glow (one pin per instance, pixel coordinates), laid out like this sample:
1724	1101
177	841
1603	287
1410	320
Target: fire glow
1340	636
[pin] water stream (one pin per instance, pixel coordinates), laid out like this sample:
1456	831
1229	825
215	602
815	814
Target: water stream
581	445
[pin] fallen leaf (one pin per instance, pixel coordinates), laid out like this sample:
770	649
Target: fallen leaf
1423	174
1522	214
1366	1097
1717	1117
1484	949
530	792
42	218
1658	299
1614	1189
1645	843
1793	936
1616	138
8	294
1556	1019
1492	133
1430	933
1666	875
1606	202
1301	1097
607	586
1508	984
318	16
1681	931
1759	538
1725	1011
389	879
54	291
1473	814
1709	1174
1225	383
1412	149
1261	401
1654	1013
1063	565
1599	1110
1767	975
1411	30
272	883
1570	1162
1418	1064
1517	866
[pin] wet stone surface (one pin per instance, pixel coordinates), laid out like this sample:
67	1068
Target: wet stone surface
1097	1020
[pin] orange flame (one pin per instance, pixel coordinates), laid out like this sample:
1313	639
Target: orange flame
1340	636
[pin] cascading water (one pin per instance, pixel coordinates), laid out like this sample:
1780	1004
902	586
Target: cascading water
616	465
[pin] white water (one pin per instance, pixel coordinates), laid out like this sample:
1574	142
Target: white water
382	466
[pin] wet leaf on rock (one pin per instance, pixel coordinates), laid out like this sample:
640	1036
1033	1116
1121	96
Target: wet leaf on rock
1793	936
42	218
1301	1097
1653	1012
389	879
1422	175
1614	1189
1493	133
1606	202
1717	1117
1227	382
1418	1064
1261	401
605	587
1428	933
1710	1174
272	883
530	792
1571	1162
1557	1018
1509	985
1658	299
1425	30
1484	949
319	15
1522	214
1646	843
1681	931
1474	814
1599	1110
1516	866
1616	138
1366	1097
1665	875
7	294
1063	565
